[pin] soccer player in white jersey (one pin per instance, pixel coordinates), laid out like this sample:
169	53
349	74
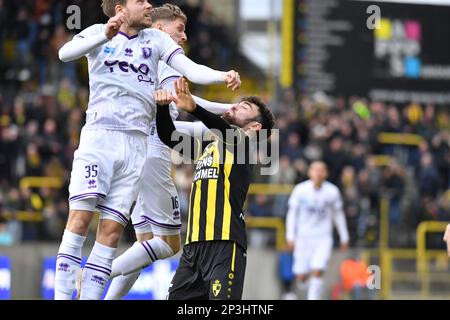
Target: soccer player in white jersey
123	57
156	216
313	206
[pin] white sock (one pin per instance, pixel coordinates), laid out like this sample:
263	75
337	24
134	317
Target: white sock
140	255
315	288
68	265
121	285
96	272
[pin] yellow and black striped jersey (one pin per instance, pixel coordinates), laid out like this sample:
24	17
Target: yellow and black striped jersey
220	183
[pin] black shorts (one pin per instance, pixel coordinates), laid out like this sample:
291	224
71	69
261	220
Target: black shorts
210	270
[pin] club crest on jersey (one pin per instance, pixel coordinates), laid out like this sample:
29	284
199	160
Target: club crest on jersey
217	286
147	52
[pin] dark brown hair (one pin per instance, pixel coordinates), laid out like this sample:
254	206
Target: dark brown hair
265	117
110	5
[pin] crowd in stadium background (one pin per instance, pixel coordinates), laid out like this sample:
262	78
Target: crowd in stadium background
42	104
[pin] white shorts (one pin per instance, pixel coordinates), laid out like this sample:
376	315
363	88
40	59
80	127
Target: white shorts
107	166
157	208
311	254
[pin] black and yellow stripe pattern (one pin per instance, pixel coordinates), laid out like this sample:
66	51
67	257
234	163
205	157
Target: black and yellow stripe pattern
217	197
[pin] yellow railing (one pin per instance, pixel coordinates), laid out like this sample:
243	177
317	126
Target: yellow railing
41	182
423	255
400	138
269	223
25	216
270	189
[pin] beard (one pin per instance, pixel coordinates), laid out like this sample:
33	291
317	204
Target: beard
229	118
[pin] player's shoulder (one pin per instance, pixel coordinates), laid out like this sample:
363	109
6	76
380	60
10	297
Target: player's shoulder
303	185
331	187
95	28
155	34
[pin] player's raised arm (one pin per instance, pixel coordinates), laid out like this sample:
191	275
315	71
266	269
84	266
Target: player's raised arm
204	75
211	106
89	39
185	101
168	83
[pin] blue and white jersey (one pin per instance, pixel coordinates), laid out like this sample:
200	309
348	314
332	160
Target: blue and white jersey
314	209
123	74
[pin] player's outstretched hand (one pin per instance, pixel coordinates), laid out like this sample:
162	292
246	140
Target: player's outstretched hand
113	25
184	99
447	238
163	97
344	247
233	80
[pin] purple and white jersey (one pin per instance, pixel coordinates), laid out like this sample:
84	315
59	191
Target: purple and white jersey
313	209
166	78
123	76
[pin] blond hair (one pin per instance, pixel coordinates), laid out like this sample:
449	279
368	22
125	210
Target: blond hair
168	12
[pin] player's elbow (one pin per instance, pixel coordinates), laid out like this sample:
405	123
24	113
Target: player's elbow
64	55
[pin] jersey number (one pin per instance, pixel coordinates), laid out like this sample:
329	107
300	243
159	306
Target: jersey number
91	171
175	203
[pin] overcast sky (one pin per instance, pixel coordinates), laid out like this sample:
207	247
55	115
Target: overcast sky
260	9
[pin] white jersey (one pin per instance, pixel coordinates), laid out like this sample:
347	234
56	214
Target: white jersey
123	76
166	77
312	211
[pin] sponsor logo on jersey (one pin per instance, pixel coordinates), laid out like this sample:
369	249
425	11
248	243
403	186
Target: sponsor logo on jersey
109	50
125	67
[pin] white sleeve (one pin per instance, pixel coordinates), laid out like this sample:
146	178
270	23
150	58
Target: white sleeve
339	219
196	73
173	55
196	128
291	217
214	107
83	43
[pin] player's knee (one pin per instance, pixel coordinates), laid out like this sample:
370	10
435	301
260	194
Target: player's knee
110	239
109	233
317	273
141	237
173	241
302	278
79	221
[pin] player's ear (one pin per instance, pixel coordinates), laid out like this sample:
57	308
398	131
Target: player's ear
118	8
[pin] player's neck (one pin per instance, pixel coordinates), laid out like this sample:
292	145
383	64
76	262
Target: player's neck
129	31
318	185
